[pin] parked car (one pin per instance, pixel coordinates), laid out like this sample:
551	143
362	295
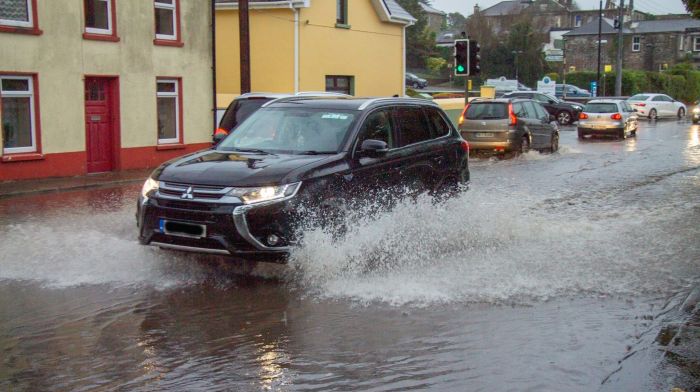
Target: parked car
571	91
508	125
246	104
415	82
607	117
564	112
291	158
655	106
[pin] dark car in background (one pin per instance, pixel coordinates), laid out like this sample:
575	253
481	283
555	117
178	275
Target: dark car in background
508	125
565	112
294	159
415	82
569	90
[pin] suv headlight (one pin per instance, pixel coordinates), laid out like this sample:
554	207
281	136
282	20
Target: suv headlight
696	110
252	195
149	186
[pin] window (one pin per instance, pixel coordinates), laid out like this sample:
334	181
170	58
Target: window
18	114
100	20
341	17
636	43
440	127
530	110
18	16
378	126
681	42
167	19
542	114
577	20
486	111
412	125
696	44
340	84
169	99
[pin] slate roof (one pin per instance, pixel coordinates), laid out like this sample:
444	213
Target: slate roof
431	10
504	8
591	28
663	26
396	11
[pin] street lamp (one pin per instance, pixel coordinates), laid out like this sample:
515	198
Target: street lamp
515	54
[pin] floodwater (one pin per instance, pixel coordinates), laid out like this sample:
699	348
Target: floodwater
554	272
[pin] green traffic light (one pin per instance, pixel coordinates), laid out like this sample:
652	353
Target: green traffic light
460	68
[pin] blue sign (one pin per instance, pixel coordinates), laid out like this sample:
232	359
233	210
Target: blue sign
594	89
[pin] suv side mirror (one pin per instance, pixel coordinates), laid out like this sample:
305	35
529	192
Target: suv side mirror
218	138
373	147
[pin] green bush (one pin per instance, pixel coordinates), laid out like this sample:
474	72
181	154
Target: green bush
681	82
554	76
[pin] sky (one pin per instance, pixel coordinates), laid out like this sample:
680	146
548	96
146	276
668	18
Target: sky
658	7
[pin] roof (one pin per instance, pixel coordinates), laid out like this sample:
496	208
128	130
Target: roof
591	28
663	26
233	4
391	11
504	8
431	10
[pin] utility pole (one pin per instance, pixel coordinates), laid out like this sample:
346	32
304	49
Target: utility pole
244	33
600	28
620	44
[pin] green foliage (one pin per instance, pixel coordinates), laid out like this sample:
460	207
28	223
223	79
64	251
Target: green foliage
456	22
554	76
693	6
436	64
420	42
681	82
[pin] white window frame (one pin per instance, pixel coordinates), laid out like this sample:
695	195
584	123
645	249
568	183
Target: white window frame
176	96
172	7
696	44
110	22
32	113
636	43
681	42
19	23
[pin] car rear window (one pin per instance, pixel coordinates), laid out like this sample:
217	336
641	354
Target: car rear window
487	111
601	108
239	110
638	97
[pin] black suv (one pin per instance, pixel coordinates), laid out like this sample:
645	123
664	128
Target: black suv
565	112
295	158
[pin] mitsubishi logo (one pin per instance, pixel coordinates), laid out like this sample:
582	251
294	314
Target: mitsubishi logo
188	194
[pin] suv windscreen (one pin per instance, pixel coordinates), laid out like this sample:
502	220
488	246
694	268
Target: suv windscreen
487	111
295	130
239	110
601	108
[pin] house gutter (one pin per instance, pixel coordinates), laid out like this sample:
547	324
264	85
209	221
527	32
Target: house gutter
296	47
403	60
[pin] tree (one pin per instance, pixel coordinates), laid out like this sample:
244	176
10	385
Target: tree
693	6
420	43
456	22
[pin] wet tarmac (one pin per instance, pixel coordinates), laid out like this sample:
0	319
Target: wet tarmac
568	271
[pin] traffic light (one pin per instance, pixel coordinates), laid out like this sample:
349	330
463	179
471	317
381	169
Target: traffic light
474	58
461	57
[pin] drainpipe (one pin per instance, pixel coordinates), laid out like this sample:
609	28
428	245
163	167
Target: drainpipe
296	47
213	60
403	62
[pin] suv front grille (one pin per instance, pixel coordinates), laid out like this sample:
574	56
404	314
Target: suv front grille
197	192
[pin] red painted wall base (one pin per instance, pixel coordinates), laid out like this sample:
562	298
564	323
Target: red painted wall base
70	164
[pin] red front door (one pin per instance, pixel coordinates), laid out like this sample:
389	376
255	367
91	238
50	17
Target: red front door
99	126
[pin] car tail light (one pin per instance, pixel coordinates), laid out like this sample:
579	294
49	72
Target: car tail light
220	131
582	116
616	116
465	146
640	104
511	115
463	115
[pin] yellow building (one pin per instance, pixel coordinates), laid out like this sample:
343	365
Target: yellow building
352	46
101	85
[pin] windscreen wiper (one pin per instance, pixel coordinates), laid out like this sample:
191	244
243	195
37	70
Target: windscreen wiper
314	152
254	150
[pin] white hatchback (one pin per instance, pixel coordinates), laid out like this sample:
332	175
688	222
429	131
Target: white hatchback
655	106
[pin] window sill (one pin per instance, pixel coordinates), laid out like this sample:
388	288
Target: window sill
22	157
342	26
174	146
100	37
21	30
167	42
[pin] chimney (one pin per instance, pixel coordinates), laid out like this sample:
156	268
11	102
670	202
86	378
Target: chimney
476	9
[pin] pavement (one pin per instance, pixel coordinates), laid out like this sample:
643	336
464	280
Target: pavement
44	185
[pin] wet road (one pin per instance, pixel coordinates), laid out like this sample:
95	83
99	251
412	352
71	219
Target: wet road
554	272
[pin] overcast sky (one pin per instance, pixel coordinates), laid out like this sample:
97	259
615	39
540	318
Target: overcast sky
466	7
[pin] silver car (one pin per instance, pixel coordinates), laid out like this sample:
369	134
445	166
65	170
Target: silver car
607	117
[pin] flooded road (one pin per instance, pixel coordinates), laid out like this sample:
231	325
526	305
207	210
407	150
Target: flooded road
554	272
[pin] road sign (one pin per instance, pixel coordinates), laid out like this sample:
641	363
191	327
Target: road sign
608	68
594	88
